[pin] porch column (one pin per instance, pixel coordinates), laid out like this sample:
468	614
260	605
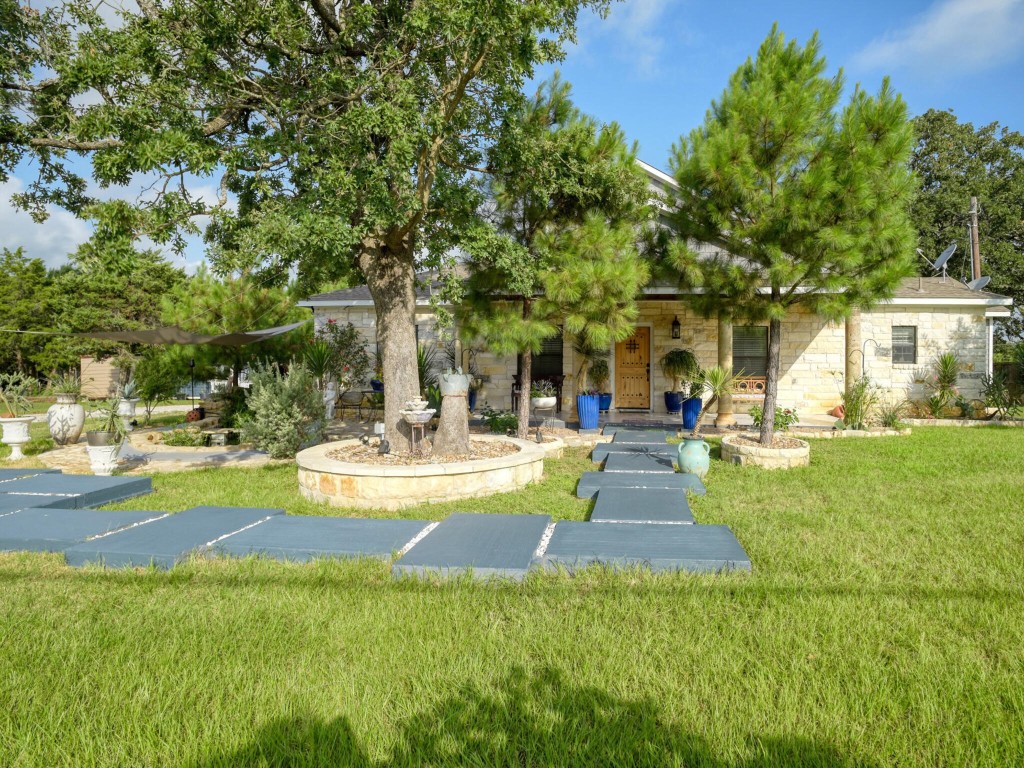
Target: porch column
854	354
726	417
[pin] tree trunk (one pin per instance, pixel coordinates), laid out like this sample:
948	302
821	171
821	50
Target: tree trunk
771	384
525	383
452	437
391	279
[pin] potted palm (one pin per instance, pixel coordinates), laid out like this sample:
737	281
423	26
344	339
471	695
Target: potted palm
66	417
681	367
600	374
694	453
104	444
14	389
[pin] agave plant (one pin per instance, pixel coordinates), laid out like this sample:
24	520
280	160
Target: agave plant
947	369
14	388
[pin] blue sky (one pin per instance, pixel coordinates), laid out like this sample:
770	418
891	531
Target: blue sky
654	66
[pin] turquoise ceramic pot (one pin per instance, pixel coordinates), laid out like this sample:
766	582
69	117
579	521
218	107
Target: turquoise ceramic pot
694	456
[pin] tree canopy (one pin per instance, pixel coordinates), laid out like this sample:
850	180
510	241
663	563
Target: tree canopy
336	135
955	161
807	202
559	240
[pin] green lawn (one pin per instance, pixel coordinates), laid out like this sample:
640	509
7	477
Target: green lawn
883	625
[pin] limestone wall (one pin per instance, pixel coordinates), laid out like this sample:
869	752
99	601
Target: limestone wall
813	352
939	329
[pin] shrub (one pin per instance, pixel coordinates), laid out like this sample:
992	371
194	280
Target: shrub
158	377
187	437
890	414
287	410
499	422
543	388
858	401
784	417
349	360
232	407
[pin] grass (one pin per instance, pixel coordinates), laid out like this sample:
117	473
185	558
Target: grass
883	625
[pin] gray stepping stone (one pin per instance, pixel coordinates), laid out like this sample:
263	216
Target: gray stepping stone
603	451
79	490
300	538
634	437
638	462
51	530
487	545
641	505
592	482
11	504
701	548
170	539
15	474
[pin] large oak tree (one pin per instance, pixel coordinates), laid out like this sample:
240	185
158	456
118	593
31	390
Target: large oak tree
338	135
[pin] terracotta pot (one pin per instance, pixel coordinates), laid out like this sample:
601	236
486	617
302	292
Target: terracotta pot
839	412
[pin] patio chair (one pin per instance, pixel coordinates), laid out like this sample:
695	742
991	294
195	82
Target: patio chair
352	400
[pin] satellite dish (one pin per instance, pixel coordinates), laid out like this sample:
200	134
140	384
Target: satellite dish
981	282
940	262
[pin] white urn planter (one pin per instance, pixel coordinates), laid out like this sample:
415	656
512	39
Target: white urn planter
65	418
103	448
543	403
126	410
15	434
453	384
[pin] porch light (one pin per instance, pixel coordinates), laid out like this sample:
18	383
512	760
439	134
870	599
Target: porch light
675	328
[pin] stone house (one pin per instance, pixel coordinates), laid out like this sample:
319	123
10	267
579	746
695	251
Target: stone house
895	343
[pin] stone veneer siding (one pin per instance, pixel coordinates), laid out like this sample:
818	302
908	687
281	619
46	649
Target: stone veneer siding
813	352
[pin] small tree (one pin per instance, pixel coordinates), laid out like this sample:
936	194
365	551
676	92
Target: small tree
558	245
808	202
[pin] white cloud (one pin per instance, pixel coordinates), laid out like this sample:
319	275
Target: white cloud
953	36
51	241
639	25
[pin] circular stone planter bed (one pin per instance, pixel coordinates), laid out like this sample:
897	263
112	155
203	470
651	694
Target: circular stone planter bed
836	434
744	450
373	486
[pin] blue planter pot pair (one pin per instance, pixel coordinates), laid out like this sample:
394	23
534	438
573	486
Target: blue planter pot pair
587	410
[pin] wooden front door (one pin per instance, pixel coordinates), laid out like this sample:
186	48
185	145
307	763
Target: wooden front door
633	371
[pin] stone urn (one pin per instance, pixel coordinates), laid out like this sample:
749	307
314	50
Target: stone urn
103	448
694	456
454	383
126	410
65	419
543	403
15	434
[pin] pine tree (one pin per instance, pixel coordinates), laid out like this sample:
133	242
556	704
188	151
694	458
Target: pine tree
808	202
559	244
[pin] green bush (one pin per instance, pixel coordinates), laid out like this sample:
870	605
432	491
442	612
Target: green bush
187	437
784	417
858	402
499	422
287	410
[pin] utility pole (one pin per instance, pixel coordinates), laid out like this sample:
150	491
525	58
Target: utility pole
975	247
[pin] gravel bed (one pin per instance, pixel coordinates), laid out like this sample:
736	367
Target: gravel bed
367	454
777	442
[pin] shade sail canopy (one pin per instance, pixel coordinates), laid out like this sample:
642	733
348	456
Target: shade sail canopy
171	334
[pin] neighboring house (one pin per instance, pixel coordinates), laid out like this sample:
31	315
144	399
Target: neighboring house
896	342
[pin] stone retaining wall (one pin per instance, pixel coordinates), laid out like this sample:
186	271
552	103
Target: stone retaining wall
769	458
372	486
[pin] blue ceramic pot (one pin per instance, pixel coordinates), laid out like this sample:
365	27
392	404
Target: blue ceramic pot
694	456
673	401
605	401
376	385
691	410
586	408
472	399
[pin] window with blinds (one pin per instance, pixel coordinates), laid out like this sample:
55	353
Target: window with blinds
750	350
904	344
548	363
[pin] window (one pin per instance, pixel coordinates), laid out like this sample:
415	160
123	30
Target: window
750	350
548	362
904	344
